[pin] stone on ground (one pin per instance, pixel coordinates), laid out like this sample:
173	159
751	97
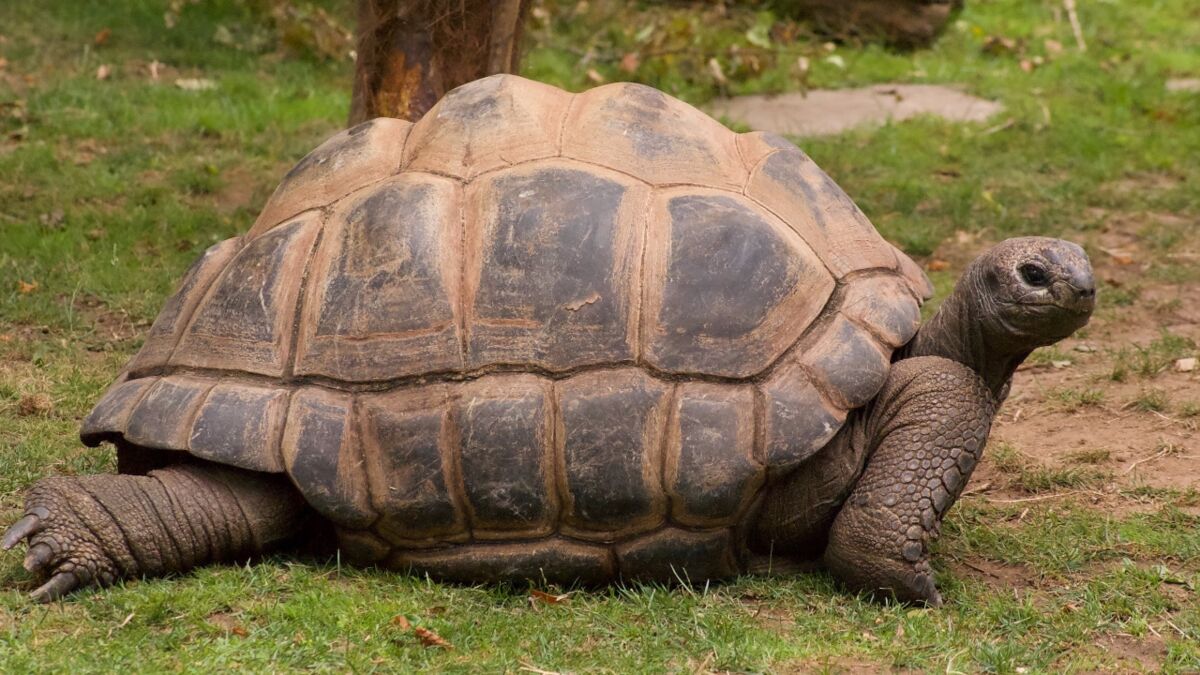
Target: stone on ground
826	112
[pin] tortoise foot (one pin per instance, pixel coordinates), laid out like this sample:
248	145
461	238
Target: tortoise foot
63	550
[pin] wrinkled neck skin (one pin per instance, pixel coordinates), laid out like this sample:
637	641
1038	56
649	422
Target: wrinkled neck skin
960	332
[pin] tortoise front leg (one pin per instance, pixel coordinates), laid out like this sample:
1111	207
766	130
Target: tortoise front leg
94	530
927	432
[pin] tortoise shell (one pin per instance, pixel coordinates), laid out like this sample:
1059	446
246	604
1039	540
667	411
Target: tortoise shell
533	332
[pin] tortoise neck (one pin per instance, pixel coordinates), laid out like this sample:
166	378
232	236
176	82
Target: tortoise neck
958	331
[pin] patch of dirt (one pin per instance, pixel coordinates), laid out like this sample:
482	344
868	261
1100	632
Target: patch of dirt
837	666
995	574
239	189
824	112
1145	654
109	326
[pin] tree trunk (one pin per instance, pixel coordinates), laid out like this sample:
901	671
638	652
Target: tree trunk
411	52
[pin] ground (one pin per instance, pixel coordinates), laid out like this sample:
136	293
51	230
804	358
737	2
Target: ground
127	146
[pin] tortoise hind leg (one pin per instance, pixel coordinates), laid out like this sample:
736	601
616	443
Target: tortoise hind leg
927	431
94	530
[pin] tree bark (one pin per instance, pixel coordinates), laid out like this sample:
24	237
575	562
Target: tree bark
411	52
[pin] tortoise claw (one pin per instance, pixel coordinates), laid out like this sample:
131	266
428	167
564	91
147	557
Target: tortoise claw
59	585
24	527
38	556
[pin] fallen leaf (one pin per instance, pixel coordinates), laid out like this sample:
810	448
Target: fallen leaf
53	220
630	62
1120	257
3	63
95	234
937	265
400	621
1060	364
1053	47
536	596
26	287
1186	365
154	66
595	76
836	60
228	623
714	67
103	71
35	404
6	337
431	639
102	36
195	84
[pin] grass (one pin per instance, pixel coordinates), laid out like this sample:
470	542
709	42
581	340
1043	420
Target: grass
111	187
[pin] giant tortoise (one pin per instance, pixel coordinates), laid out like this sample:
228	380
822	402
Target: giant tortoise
574	338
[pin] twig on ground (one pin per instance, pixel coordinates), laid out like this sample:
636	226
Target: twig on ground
1036	499
1073	17
1160	453
999	127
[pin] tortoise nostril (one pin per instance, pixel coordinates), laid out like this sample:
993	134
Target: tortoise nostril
1087	292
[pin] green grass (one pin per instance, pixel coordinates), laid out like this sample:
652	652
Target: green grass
111	187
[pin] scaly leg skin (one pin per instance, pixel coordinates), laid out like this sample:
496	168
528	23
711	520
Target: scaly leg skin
928	428
93	530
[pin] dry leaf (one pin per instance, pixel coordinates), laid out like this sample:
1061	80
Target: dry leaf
3	63
1120	257
714	67
1053	47
400	621
154	67
195	84
595	76
431	639
1186	365
102	36
35	404
103	71
53	220
6	337
1060	364
630	62
536	596
25	288
937	265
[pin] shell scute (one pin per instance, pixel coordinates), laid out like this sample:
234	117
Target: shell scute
611	429
241	424
163	418
728	288
384	292
164	333
554	251
409	441
798	422
245	322
711	471
641	131
847	364
507	457
337	167
321	453
794	188
488	124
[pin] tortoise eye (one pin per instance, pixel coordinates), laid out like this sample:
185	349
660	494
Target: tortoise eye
1034	275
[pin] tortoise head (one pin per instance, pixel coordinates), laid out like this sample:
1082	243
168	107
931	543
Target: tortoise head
1030	292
